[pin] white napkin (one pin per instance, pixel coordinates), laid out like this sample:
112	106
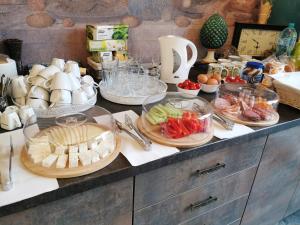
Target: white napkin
291	79
25	183
134	153
238	130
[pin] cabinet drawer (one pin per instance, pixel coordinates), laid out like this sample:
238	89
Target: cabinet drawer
157	185
197	201
110	204
229	213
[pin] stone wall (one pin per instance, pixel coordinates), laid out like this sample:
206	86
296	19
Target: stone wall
56	28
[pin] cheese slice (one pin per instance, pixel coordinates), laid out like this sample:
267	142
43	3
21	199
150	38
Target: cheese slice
60	150
73	160
73	149
95	156
83	147
48	162
62	161
85	158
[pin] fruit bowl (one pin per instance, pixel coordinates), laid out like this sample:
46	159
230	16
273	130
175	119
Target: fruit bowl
189	93
177	120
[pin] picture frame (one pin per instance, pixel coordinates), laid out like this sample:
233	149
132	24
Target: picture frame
256	40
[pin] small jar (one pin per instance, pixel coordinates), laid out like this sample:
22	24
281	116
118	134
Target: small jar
253	72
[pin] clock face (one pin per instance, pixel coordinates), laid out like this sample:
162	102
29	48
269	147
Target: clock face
256	42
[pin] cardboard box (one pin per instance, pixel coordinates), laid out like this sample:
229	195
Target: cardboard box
106	32
102	56
106	45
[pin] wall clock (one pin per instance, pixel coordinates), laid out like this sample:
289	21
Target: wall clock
256	40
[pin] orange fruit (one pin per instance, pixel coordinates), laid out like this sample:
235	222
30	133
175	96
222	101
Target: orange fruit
202	78
212	81
217	77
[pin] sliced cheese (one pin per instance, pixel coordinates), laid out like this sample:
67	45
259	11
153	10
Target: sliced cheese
85	158
60	150
73	149
95	156
73	160
49	161
83	147
62	161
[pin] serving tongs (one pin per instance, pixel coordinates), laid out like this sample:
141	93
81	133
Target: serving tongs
226	123
130	125
7	182
121	127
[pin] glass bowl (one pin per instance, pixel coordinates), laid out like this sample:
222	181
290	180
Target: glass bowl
247	103
177	120
76	144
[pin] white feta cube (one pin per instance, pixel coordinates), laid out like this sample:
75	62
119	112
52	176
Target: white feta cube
62	161
48	162
73	160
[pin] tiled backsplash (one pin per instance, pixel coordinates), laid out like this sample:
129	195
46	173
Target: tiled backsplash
56	28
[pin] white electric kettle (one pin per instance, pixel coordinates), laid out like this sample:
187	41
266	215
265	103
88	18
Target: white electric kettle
175	66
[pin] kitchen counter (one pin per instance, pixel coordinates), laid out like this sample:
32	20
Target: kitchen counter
121	169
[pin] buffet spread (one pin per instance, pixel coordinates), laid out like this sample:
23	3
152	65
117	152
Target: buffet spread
55	102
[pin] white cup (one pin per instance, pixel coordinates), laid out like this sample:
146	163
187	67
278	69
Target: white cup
38	81
19	86
72	67
79	97
37	103
59	63
11	108
10	120
74	81
61	96
60	81
20	101
35	70
87	79
38	92
89	90
25	113
49	72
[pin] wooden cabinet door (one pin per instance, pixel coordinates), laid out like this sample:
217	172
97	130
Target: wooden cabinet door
276	179
106	205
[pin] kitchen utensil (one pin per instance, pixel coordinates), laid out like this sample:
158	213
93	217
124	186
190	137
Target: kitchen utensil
7	182
25	112
74	81
60	81
226	123
136	138
20	87
10	120
79	97
38	81
35	70
88	89
59	63
175	65
37	103
87	146
61	96
8	66
72	67
87	79
49	72
130	125
39	93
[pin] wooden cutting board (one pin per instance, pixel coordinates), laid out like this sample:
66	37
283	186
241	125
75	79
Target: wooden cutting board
264	123
69	172
153	132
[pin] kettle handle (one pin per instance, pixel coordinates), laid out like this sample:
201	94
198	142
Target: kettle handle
193	59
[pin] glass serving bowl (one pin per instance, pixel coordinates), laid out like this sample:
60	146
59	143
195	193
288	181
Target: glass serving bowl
247	103
177	120
71	142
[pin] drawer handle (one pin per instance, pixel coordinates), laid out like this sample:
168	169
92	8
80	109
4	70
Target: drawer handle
210	169
203	203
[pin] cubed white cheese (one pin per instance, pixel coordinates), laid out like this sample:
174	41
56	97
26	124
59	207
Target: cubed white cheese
48	162
95	156
62	161
92	144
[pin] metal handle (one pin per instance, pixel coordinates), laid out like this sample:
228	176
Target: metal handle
203	203
210	169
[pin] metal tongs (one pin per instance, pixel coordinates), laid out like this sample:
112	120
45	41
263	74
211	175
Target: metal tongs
135	137
226	123
7	182
130	125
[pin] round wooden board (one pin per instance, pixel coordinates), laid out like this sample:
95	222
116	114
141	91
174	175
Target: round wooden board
252	123
185	142
69	172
